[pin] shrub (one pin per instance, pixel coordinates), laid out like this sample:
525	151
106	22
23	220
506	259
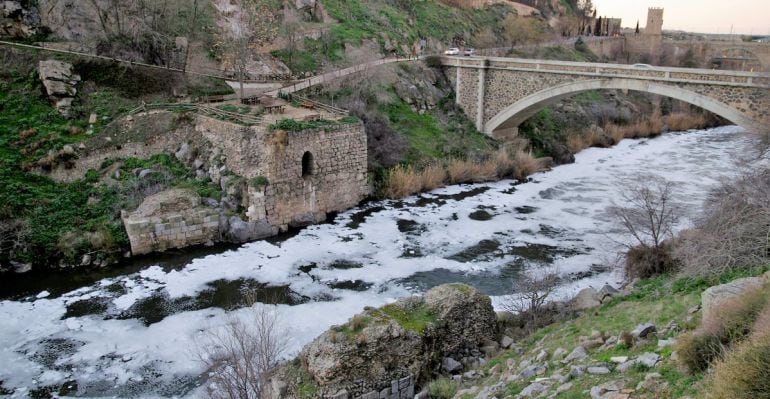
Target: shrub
432	177
466	171
732	234
575	143
402	181
645	261
504	163
697	350
728	323
259	182
681	121
733	319
443	388
745	372
525	164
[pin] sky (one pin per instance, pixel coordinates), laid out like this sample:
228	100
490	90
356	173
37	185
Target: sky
709	16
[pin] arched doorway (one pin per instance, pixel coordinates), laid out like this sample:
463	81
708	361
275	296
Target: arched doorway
308	165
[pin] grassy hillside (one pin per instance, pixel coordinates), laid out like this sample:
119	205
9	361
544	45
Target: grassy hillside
44	222
395	28
668	302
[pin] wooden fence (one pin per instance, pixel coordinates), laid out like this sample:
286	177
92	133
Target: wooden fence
243	119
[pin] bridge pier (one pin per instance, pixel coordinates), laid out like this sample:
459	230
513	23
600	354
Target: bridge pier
480	100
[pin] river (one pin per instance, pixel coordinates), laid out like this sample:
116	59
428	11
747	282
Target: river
132	332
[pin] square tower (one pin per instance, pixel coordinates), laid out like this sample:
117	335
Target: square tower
654	21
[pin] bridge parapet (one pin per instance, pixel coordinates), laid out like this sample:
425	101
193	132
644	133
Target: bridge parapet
754	79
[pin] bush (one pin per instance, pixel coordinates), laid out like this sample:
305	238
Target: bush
645	261
466	171
681	121
403	181
432	177
729	323
697	350
733	232
525	164
443	388
733	319
745	372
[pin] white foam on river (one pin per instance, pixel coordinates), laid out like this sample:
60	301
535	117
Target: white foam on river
112	357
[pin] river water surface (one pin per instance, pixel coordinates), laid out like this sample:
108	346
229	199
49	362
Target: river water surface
132	332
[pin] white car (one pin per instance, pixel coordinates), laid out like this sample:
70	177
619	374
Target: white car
642	66
452	51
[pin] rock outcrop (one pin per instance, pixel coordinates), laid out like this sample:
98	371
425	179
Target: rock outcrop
712	297
17	20
385	351
60	83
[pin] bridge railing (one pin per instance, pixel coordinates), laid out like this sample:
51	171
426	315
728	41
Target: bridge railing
723	77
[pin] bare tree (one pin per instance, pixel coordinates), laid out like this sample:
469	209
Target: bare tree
240	355
648	214
649	211
530	295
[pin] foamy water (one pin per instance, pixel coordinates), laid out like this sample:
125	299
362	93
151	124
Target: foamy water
481	234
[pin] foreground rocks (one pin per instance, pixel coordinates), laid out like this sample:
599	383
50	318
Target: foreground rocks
716	295
385	352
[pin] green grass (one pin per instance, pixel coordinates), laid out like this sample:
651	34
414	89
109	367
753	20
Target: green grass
416	320
659	300
428	139
67	220
401	24
293	125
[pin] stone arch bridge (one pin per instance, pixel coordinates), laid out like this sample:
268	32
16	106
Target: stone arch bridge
501	93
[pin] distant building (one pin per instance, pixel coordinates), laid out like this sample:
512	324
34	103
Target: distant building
654	21
609	27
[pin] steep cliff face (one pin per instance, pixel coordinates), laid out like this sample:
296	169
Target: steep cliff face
19	19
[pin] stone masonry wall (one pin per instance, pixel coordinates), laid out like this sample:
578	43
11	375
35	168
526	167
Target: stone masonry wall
252	155
337	180
171	219
507	81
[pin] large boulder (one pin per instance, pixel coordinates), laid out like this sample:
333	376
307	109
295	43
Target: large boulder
60	81
409	338
587	298
718	294
465	317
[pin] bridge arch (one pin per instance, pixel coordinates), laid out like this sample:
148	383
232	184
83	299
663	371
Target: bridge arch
523	109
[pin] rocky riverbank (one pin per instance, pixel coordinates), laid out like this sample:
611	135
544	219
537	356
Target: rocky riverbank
450	344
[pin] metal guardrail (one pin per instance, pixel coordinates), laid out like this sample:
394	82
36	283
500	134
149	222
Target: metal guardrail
199	109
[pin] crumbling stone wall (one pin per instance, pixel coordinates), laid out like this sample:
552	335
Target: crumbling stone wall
171	219
280	178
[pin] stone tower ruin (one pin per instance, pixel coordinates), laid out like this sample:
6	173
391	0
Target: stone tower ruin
654	21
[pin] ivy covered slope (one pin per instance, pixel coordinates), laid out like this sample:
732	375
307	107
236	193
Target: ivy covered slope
48	224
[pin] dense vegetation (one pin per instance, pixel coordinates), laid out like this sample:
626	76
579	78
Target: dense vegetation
44	222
